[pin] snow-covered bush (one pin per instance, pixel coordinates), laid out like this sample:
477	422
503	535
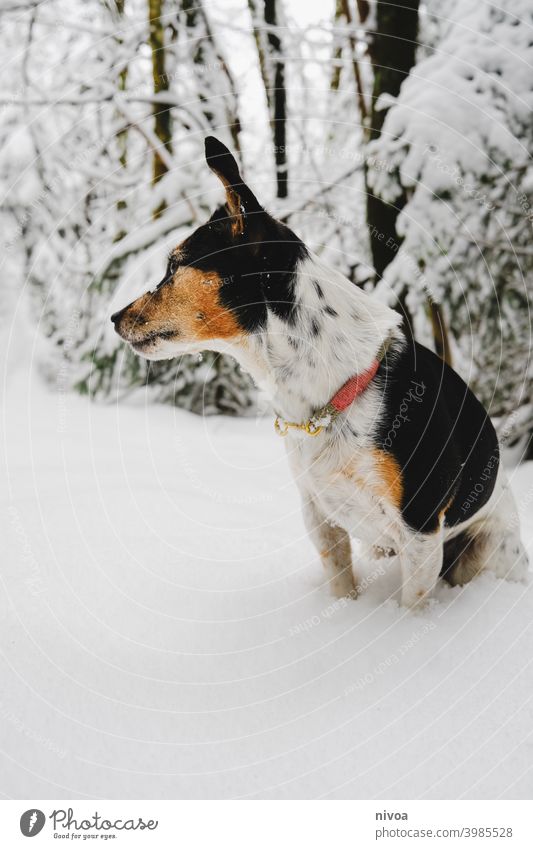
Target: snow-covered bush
458	140
86	223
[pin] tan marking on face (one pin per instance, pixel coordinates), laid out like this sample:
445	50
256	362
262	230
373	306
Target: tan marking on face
195	296
189	306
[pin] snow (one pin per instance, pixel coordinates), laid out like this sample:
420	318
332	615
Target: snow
166	632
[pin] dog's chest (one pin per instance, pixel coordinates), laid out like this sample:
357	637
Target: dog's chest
358	489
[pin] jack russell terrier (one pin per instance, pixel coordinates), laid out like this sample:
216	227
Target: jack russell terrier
386	442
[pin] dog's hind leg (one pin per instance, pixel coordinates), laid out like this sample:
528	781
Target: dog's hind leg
488	546
500	548
492	543
421	562
333	545
484	547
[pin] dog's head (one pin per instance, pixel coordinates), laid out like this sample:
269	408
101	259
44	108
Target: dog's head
220	280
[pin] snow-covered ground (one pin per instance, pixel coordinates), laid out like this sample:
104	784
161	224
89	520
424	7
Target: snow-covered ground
165	630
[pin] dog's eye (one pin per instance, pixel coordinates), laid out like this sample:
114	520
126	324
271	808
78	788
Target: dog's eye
172	267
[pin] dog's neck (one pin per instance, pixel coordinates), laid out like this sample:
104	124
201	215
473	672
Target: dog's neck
335	332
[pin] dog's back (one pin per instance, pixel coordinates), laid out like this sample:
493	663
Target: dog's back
448	452
444	443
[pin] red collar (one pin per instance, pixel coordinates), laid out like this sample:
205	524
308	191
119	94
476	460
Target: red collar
353	387
341	401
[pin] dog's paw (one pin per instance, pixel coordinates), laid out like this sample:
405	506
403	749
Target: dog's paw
418	602
378	552
375	552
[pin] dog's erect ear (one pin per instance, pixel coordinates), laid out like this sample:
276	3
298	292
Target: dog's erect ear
240	200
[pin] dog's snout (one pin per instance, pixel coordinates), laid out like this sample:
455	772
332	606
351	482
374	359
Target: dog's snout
115	318
134	318
129	319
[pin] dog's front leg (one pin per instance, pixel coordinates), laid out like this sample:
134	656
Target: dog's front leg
333	545
421	562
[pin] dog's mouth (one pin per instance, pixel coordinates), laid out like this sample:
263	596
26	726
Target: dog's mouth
144	344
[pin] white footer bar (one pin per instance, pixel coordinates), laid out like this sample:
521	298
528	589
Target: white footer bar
268	824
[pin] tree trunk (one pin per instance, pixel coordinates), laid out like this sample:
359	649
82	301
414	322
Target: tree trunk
122	135
392	52
337	52
272	67
161	112
279	105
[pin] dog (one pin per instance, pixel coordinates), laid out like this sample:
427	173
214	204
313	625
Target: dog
386	442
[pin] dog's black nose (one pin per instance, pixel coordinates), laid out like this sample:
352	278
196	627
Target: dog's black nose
115	318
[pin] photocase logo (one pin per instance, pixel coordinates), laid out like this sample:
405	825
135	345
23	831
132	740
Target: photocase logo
65	824
32	822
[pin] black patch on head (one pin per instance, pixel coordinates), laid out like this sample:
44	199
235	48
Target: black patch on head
257	269
315	327
280	251
256	260
293	342
330	311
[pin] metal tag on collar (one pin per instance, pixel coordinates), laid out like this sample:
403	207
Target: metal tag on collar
282	427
